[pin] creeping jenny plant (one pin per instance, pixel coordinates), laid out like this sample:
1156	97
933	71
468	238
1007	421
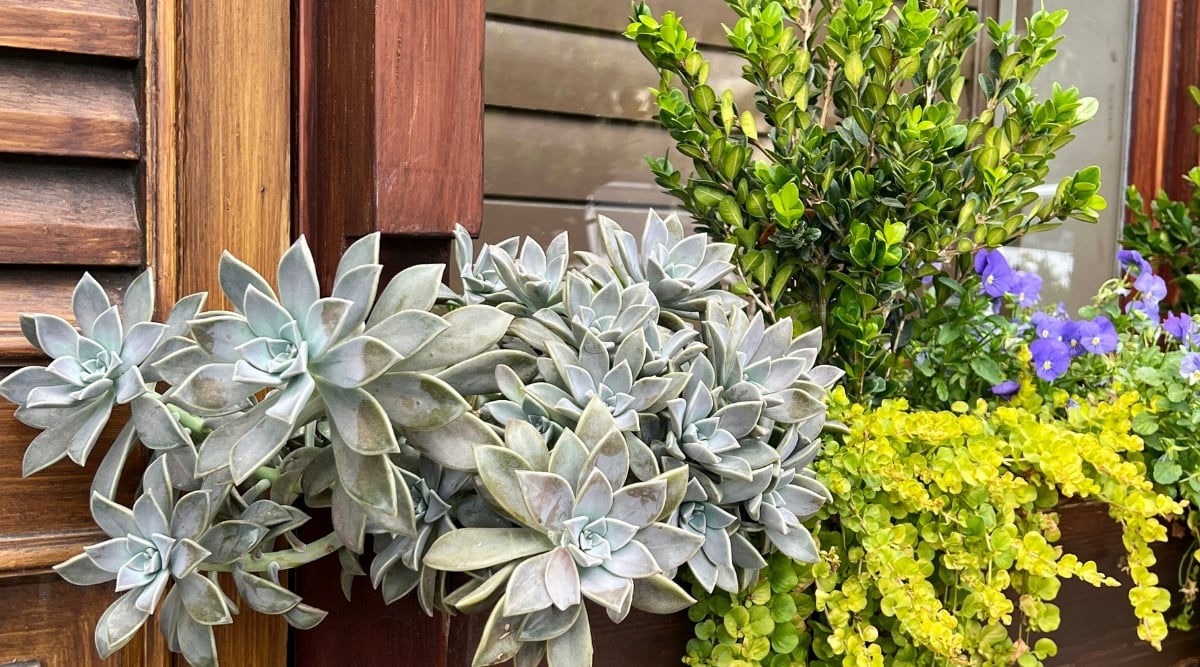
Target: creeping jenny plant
548	436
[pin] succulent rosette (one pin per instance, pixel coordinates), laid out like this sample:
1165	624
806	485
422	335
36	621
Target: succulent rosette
583	531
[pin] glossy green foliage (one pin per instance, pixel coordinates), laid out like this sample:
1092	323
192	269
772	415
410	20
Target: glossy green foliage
939	547
1168	233
858	171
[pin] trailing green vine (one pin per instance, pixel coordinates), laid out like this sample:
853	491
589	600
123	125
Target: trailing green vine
940	543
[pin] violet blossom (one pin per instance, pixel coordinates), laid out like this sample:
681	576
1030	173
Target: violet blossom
1051	358
1182	328
1026	288
1047	326
1097	335
1189	368
1007	389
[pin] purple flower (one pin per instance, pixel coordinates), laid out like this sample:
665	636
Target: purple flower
1006	389
1152	287
1147	308
997	275
1131	260
1026	288
1071	338
1046	325
1182	328
1189	368
1051	358
1097	335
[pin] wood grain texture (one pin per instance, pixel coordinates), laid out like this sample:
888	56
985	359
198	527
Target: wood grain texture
26	290
68	109
702	18
38	625
77	215
234	180
534	156
94	27
590	74
389	119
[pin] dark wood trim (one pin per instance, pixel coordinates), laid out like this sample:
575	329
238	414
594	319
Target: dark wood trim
389	119
1162	144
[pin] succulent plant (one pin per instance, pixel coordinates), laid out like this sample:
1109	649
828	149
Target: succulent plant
582	532
681	269
553	434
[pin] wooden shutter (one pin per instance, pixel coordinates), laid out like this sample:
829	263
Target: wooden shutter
70	153
132	132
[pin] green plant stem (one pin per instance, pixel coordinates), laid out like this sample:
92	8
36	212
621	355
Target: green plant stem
268	473
286	559
188	420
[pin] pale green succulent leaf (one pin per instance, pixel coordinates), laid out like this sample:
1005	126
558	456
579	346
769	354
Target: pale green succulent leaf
358	286
304	617
230	540
108	473
408	330
368	479
88	301
359	420
658	594
355	362
498	468
297	274
258	445
527	590
327	322
548	623
499	641
549	498
478	375
82	571
196	642
473	330
118	624
454	444
415	288
521	437
236	277
418	401
75	436
191	516
263	595
107	330
573	647
363	252
468	549
204	601
472	600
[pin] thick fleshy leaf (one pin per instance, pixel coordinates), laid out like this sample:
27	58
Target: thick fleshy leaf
196	642
548	497
363	252
670	546
417	401
640	503
19	383
469	549
115	520
527	590
797	543
81	571
548	624
358	286
213	389
191	515
230	540
473	598
562	579
327	322
368	479
473	331
304	617
118	624
157	428
350	524
55	336
414	288
87	302
632	561
359	419
236	277
610	457
263	595
355	362
75	435
298	286
573	647
186	558
204	601
454	444
409	330
477	375
659	595
108	474
498	469
606	589
257	445
499	641
221	335
107	331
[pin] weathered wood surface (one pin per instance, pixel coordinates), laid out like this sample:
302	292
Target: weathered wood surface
95	27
